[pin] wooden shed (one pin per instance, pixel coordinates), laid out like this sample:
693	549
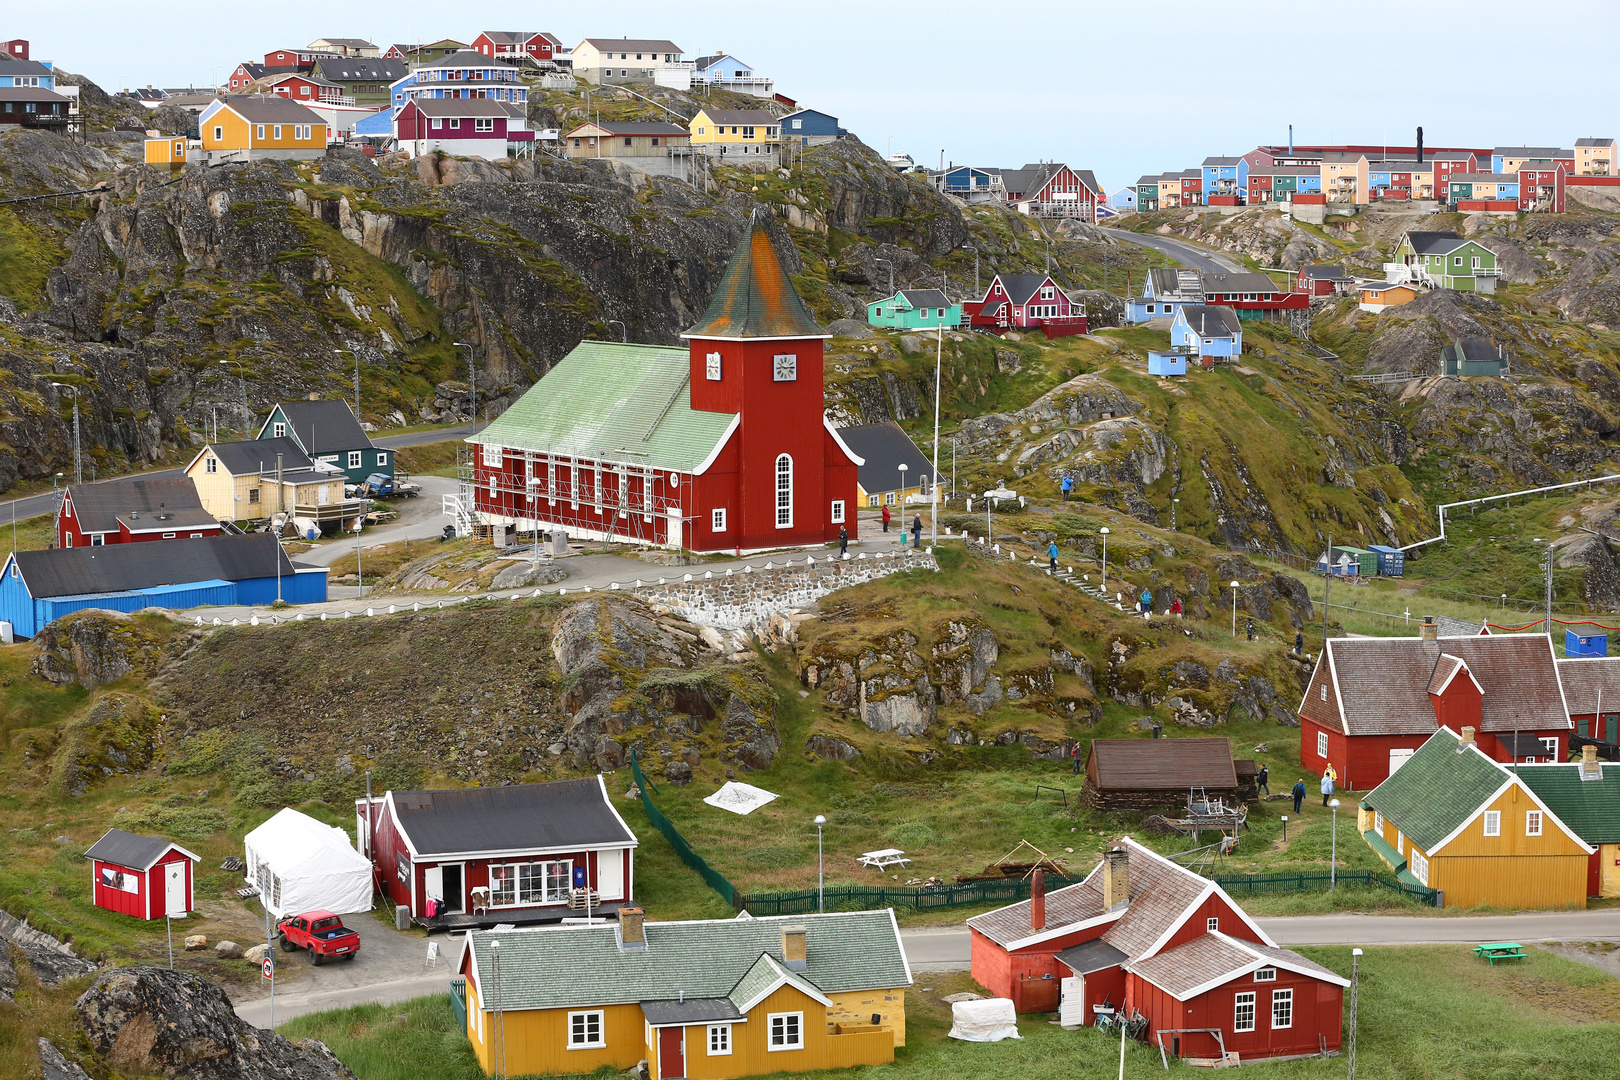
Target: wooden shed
1150	774
144	876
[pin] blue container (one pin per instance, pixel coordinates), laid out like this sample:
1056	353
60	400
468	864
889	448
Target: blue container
1585	644
1391	561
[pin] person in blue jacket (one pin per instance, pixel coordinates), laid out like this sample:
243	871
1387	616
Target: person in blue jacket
1051	555
1068	486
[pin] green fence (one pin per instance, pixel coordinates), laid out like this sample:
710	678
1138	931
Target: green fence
1256	884
458	1002
691	858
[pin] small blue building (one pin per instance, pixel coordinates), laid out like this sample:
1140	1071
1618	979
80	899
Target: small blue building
1585	644
38	587
1207	330
970	183
31	73
808	127
1166	362
1226	176
1391	560
1165	291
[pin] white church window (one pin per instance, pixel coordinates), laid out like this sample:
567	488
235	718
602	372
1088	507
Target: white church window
784	491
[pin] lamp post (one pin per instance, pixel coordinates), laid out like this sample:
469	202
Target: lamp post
1355	986
78	473
1104	532
1285	828
624	335
1234	608
821	888
472	380
1333	859
900	497
247	417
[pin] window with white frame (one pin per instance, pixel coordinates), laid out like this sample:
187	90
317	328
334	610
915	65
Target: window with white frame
711	365
784	492
1493	823
1419	865
1282	1009
1321	743
717	521
719	1040
871	500
281	431
1265	974
1243	1011
277	134
785	368
1378	822
521	884
1324	691
382	459
1551	746
355	459
210	465
1532	823
492	455
585	1030
838	511
1212	924
219	133
786	1031
258	132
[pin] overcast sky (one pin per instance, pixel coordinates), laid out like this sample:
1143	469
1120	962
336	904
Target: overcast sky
1121	88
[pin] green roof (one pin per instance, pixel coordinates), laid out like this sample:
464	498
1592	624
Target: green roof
1591	808
761	978
1384	850
576	966
755	298
623	403
1437	789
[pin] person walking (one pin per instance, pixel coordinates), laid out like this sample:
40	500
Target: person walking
843	539
1327	784
1299	795
1068	486
916	531
1175	607
1145	603
1299	642
885	519
1265	776
1051	555
1074	757
1251	629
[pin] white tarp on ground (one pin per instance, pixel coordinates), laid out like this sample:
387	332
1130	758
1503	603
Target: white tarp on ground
301	865
740	798
986	1020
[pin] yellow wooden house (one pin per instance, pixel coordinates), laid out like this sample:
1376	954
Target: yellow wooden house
255	479
1453	820
173	152
702	999
259	127
739	133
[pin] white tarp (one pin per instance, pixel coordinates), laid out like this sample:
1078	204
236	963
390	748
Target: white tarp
986	1020
740	798
301	865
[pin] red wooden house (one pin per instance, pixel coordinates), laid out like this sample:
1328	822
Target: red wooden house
466	127
147	877
1144	933
302	88
516	854
296	59
513	45
1592	692
246	73
132	510
1050	189
1324	281
718	446
1373	701
1542	186
1252	296
1026	302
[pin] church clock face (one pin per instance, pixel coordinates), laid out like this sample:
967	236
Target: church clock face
786	369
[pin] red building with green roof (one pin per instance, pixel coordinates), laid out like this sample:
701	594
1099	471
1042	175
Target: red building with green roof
718	446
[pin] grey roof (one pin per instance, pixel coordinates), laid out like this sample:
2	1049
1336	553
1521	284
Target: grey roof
1222	160
258	455
1239	283
29	93
1594	142
690	1011
270	109
1021	288
458	106
368	69
1528	151
1094	955
756	117
465	58
1589	679
1454	627
1483	178
100	507
1211	320
517	817
921	298
633	45
117	568
883	447
1167	283
639	127
351	42
26	68
321	427
1434	243
1473	349
132	850
1326	273
717	958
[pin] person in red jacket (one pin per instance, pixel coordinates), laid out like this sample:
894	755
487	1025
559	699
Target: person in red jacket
885	519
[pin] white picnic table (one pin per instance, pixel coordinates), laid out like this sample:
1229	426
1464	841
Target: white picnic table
885	858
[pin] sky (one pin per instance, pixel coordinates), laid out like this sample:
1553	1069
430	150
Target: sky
1122	88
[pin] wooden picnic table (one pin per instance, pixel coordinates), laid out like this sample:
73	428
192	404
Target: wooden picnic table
1500	950
885	858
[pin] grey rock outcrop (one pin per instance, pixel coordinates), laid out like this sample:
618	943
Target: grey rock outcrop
524	575
51	961
94	646
831	748
54	1065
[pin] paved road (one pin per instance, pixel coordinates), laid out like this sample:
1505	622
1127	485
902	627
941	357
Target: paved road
34	505
421	518
1189	255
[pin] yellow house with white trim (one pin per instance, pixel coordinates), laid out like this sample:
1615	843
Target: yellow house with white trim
260	127
1344	177
736	132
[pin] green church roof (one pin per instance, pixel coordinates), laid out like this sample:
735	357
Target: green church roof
755	298
1441	786
607	401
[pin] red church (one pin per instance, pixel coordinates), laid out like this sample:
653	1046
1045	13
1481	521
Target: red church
1143	933
129	511
1373	701
718	446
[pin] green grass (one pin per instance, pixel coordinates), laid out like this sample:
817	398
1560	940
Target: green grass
429	459
414	1039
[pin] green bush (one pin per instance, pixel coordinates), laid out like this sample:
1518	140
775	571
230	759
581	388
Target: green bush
912	836
182	823
773	858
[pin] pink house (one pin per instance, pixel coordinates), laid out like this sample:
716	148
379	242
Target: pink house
465	127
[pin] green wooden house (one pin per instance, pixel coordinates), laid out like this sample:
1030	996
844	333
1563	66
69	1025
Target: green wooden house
1447	261
914	309
1472	356
328	431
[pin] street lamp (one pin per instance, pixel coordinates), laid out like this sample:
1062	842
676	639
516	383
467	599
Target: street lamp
900	497
821	890
247	417
472	380
1104	532
78	473
624	335
1333	859
1285	828
1355	986
1234	608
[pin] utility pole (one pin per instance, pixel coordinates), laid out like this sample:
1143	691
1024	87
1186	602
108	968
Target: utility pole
472	380
939	364
1355	987
1327	586
78	473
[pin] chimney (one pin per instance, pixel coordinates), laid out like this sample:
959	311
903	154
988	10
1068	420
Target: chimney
1116	879
1467	739
314	395
1429	631
1037	901
1590	769
793	948
632	934
1290	140
1420	146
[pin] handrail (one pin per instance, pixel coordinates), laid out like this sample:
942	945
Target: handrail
1443	507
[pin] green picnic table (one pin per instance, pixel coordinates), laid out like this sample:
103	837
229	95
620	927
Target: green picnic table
1500	950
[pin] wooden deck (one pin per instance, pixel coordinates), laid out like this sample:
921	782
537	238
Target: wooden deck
525	916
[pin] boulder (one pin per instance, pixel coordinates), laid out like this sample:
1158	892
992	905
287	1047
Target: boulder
92	647
227	950
149	1020
849	328
54	1065
256	953
678	772
51	961
831	748
525	575
756	742
196	942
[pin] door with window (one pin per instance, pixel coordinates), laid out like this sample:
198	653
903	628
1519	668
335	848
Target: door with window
671	1053
174	888
1397	758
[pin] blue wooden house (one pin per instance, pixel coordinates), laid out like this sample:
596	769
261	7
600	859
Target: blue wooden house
38	587
1207	330
1165	291
1226	176
969	183
1167	362
809	127
30	73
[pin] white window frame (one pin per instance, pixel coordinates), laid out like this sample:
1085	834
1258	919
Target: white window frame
528	898
1282	1003
717	520
280	430
1419	865
838	511
492	455
784	491
795	1020
166	536
356	460
484	123
210	465
1551	743
1212	924
1240	1021
258	131
1378	823
1534	820
1322	739
382	459
277	129
1265	974
719	1040
712	367
579	1029
1493	823
219	133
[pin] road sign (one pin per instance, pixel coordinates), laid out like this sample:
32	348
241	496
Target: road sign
269	967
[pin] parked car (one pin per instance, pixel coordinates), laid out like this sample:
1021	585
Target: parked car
382	486
320	932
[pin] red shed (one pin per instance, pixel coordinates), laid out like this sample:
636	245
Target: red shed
144	876
1144	933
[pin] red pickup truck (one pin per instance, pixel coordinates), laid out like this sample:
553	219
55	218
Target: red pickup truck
322	933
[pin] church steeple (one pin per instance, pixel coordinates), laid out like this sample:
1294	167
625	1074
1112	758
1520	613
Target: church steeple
755	299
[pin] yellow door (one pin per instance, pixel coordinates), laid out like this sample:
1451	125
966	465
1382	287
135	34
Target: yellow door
1609	872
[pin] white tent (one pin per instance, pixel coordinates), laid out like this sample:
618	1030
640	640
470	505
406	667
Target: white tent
985	1020
301	865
